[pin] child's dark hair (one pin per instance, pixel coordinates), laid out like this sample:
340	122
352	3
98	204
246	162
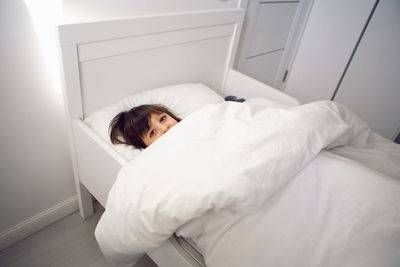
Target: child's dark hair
128	127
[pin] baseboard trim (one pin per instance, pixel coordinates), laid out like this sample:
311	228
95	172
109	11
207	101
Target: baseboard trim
37	222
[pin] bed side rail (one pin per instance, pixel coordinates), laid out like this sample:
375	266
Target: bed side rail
98	163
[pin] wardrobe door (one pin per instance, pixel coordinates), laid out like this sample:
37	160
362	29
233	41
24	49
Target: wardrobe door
263	67
371	84
264	37
329	38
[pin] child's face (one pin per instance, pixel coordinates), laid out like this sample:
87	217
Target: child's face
159	124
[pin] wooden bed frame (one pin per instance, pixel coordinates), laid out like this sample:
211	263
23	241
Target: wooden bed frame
105	61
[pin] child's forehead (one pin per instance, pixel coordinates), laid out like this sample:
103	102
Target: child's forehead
154	110
153	116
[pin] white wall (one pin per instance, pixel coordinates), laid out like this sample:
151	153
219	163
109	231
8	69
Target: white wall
36	172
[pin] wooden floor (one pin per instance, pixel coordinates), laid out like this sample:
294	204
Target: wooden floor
68	242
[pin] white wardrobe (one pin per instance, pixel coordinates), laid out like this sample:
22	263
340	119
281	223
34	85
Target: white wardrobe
349	53
270	33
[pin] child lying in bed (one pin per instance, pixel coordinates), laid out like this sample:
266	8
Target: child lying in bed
229	175
141	125
144	124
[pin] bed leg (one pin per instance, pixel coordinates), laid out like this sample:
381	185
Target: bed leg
85	201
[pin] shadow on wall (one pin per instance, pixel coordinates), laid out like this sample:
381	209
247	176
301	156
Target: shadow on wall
36	169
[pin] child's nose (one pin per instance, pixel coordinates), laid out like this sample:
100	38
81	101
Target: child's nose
165	127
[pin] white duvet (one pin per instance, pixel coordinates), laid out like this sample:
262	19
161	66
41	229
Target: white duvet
251	186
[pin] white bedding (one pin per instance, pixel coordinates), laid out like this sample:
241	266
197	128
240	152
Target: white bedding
330	214
250	185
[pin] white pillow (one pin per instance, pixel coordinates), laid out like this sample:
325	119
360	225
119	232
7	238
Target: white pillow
181	99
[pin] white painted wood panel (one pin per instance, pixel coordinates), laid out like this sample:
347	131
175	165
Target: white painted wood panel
95	50
89	10
263	67
294	38
330	36
109	79
98	163
73	107
70	68
371	86
277	1
272	27
269	27
105	30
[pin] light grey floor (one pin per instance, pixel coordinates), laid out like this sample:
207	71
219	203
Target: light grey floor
68	242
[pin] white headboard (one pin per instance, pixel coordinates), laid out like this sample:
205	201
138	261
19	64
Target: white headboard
107	60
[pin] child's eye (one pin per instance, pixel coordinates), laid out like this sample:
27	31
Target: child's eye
152	132
162	118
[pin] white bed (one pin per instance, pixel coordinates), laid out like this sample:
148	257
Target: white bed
106	61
